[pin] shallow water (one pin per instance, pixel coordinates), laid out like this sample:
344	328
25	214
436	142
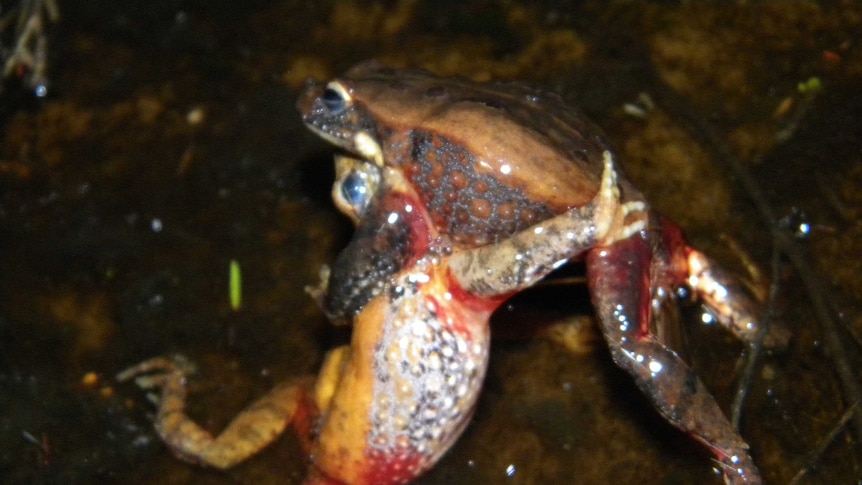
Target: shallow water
169	145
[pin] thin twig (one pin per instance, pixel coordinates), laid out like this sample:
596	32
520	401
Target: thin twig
817	454
30	50
756	347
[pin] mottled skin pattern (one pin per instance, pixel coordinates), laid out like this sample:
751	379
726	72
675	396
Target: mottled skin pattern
464	194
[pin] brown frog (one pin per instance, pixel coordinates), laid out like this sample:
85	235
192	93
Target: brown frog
464	194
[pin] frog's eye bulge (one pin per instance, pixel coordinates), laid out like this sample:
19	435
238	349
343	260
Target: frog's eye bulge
335	98
354	192
356	182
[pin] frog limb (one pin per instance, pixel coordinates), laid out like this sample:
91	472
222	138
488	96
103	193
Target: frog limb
329	377
531	254
622	282
253	429
318	292
729	302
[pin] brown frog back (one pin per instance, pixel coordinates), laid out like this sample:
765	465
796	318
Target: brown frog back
488	159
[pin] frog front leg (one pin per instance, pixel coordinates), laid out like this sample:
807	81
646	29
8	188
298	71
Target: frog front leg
626	277
296	402
517	262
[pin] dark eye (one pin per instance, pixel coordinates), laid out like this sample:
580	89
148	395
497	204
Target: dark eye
333	100
356	191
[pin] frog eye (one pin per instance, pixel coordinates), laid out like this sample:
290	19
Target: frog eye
335	98
356	192
355	185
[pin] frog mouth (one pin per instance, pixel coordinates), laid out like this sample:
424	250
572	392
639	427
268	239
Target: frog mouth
339	141
361	144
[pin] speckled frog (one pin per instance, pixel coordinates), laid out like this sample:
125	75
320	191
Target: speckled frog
464	194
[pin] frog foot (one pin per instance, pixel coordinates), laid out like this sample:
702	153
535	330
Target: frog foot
253	429
612	218
318	291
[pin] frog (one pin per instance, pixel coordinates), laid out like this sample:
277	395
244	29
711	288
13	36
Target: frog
463	194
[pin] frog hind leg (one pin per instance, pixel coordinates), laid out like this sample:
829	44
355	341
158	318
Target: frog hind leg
253	429
623	279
